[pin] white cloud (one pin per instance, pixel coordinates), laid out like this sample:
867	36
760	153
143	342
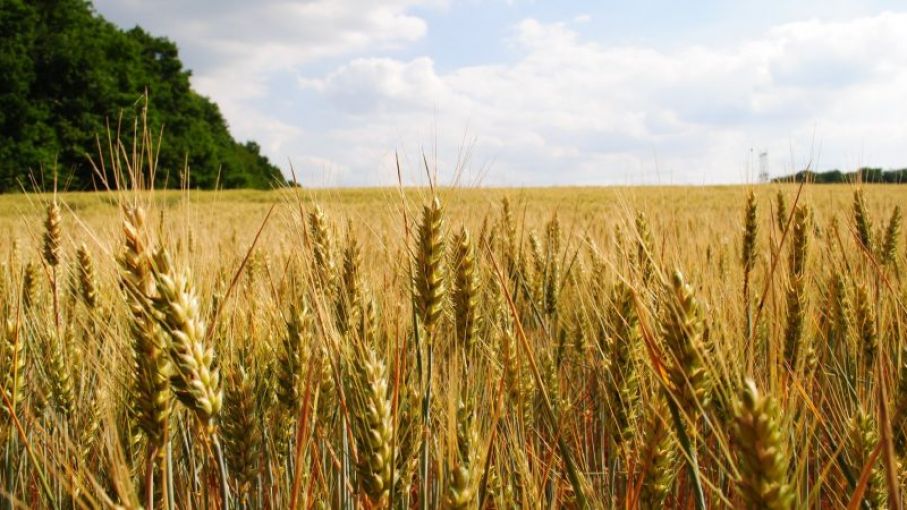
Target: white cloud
365	86
273	33
572	111
563	109
237	47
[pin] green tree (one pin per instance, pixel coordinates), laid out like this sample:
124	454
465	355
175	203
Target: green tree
68	74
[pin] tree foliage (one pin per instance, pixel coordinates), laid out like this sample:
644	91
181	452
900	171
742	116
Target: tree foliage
868	175
68	75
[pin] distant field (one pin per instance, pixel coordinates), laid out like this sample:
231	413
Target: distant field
686	219
575	347
585	209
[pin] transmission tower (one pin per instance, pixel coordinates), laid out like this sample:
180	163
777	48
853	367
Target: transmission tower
763	166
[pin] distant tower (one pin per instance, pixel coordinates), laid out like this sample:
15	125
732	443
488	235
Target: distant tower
763	166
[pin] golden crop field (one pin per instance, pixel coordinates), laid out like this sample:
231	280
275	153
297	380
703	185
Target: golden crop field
684	347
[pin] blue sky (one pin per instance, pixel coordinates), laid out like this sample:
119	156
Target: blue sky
547	93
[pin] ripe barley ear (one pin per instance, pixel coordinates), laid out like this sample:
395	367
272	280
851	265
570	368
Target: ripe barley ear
465	476
889	246
689	382
552	287
750	237
511	256
864	436
658	459
465	290
761	451
781	211
899	417
30	281
841	311
151	398
867	329
292	359
683	331
13	363
53	236
196	379
796	290
322	258
623	380
645	248
349	291
537	280
58	367
428	297
862	221
372	425
242	437
429	265
87	281
748	254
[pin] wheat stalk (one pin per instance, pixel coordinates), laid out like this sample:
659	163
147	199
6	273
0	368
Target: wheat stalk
151	395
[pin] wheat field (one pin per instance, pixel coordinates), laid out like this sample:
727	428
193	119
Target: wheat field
707	347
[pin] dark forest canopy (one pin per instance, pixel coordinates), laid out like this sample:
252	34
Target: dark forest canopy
869	175
66	74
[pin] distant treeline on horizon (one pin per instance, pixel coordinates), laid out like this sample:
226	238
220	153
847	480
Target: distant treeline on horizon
867	175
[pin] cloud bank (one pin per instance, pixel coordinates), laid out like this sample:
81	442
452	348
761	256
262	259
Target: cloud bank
323	84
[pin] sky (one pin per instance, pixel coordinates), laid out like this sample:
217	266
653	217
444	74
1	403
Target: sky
529	93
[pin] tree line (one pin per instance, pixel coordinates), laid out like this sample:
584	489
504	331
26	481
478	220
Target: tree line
67	76
866	174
